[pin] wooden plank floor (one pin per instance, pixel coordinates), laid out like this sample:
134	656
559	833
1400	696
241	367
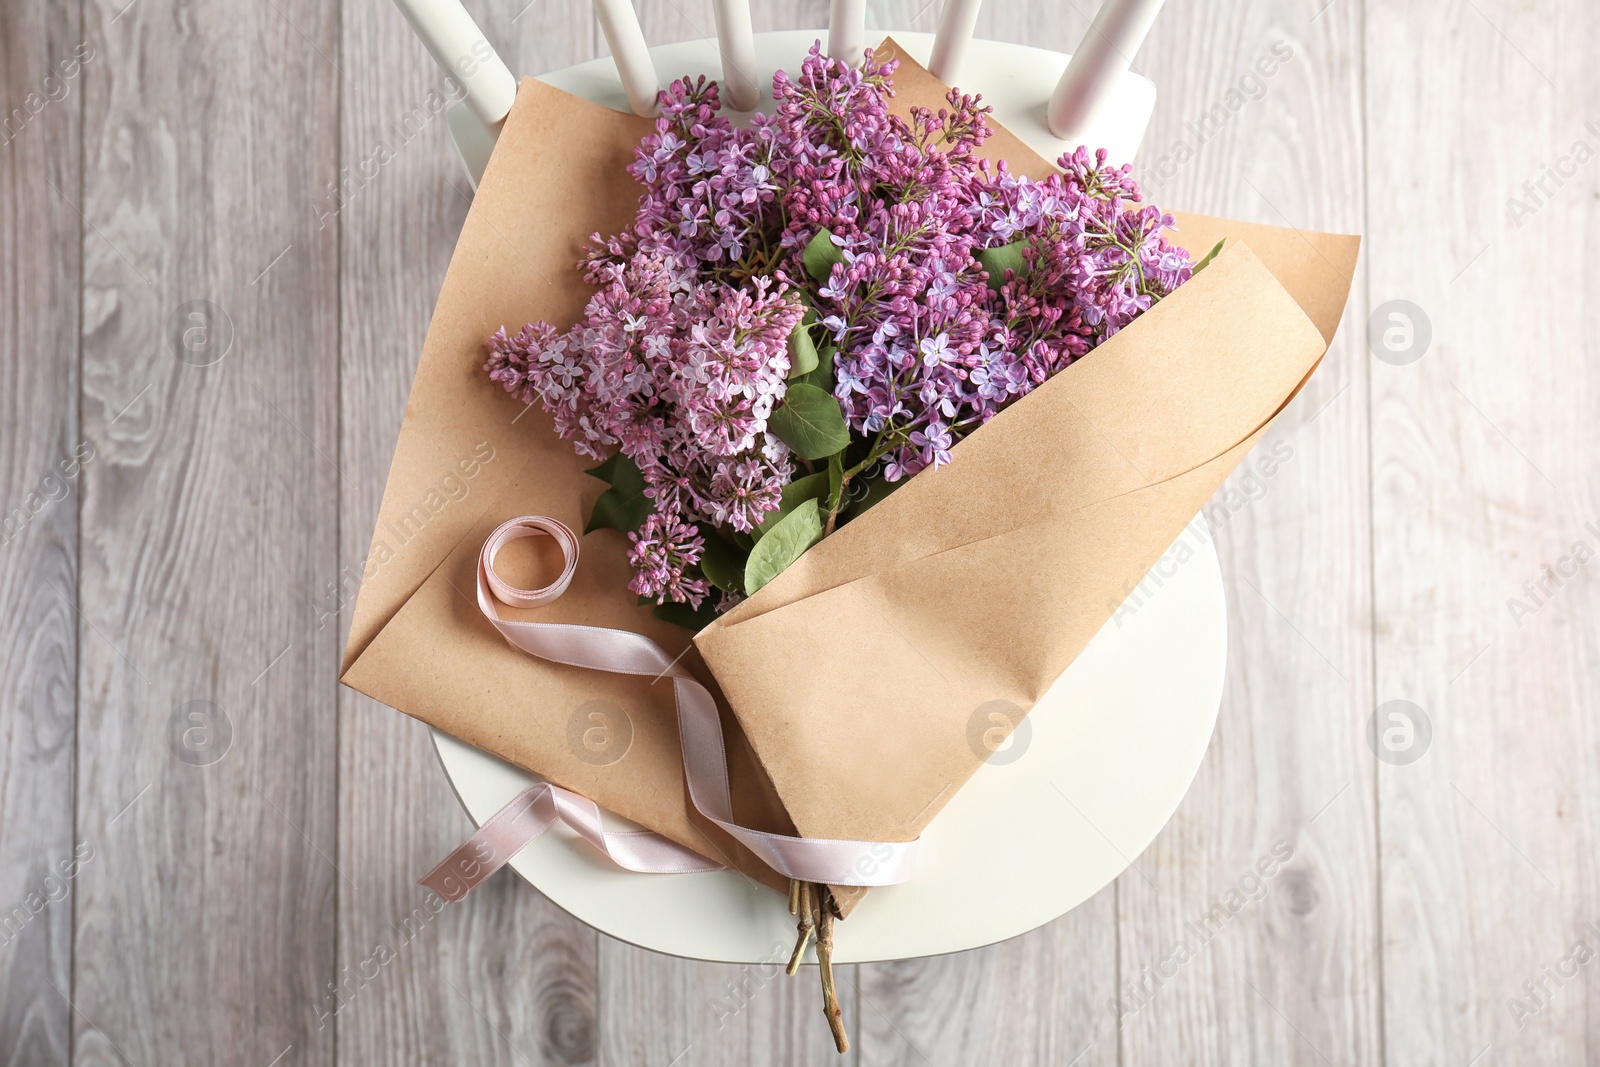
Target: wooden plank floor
222	228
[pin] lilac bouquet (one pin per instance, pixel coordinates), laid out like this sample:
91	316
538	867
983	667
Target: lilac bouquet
813	308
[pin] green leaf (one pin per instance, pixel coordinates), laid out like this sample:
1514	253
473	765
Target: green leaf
999	260
695	619
722	564
810	422
797	492
783	544
820	255
835	479
607	471
1200	266
802	350
822	375
624	506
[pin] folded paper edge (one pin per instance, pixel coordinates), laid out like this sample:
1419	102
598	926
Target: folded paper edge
532	95
771	598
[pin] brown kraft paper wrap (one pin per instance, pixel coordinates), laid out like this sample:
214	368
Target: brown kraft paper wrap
854	673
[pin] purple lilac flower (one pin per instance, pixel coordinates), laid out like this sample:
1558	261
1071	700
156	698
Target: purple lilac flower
664	549
681	356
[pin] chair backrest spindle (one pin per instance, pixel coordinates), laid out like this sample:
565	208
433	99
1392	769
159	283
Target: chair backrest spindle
957	22
464	54
847	30
620	24
1100	60
1097	97
736	39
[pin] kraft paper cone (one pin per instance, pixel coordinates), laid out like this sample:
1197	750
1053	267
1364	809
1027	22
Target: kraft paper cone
854	673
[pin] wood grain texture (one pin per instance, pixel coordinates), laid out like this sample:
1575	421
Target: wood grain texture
1484	480
505	977
1418	537
664	1010
205	925
1255	939
1038	998
41	95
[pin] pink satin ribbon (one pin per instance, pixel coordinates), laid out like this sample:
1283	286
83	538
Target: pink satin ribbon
514	827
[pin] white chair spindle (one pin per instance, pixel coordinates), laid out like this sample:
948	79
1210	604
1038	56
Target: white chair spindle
847	30
620	23
736	39
1104	55
1096	87
957	22
465	55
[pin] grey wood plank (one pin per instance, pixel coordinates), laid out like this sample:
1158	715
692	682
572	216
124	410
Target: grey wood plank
664	1010
505	976
41	94
1038	998
1266	875
1290	976
1484	495
206	753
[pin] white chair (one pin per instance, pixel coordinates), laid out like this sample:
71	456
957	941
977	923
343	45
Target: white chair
1132	758
1098	100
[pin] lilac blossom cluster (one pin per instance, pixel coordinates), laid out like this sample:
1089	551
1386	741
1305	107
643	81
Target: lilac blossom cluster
939	288
931	340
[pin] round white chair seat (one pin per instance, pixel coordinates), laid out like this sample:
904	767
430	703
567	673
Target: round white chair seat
1084	785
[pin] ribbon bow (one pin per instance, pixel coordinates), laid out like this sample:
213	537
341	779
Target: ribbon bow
705	767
